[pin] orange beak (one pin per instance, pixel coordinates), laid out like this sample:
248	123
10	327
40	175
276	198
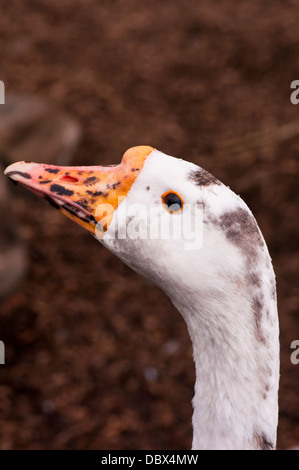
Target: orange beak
89	194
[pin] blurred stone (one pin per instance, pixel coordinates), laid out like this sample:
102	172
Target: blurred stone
150	373
30	129
33	130
13	258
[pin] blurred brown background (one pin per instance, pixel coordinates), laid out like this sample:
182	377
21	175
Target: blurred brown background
96	357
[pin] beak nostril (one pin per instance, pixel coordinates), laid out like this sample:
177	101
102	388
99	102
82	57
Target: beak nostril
69	179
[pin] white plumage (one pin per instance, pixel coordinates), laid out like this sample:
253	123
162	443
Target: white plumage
225	291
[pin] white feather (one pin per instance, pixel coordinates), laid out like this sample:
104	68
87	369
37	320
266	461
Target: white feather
225	291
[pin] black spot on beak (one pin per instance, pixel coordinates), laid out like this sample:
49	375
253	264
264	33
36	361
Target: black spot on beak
56	188
45	181
52	170
95	193
24	175
91	179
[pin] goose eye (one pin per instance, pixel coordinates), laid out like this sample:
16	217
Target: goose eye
172	201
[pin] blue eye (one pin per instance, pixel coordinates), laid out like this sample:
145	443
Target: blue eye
172	201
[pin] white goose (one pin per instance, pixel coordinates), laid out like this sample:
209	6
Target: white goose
224	287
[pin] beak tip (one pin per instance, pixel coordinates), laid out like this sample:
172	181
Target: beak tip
13	167
19	171
9	169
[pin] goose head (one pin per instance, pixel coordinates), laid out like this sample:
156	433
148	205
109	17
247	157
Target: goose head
176	224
